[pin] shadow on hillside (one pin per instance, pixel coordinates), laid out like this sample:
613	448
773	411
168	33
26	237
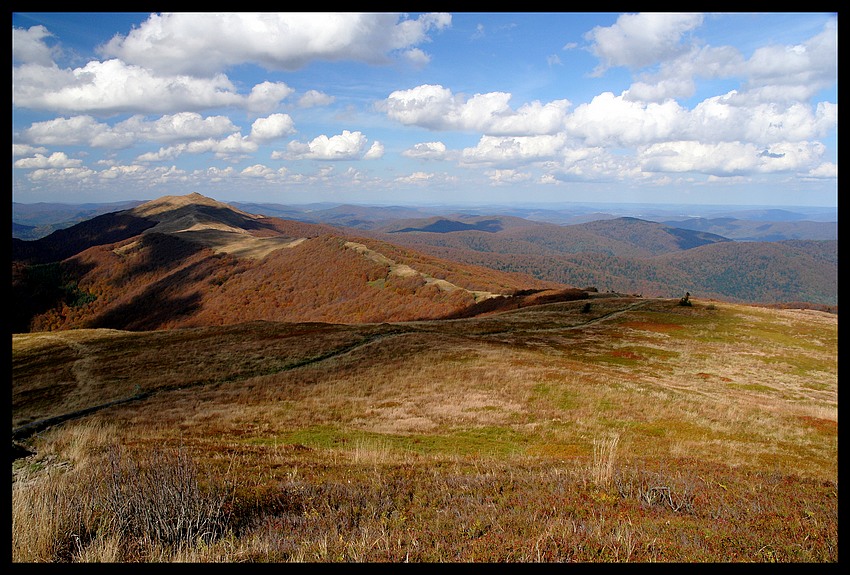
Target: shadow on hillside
165	300
37	288
64	243
152	309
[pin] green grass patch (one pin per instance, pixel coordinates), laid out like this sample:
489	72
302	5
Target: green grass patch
557	396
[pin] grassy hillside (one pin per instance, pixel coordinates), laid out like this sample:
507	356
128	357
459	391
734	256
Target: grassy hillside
184	261
613	429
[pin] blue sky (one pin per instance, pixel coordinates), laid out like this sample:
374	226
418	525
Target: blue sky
426	108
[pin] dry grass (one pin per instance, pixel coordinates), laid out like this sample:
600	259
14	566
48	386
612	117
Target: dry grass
646	433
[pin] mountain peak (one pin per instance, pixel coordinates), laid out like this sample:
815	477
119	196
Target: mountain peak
171	203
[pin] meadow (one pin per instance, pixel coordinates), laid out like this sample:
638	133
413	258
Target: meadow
615	429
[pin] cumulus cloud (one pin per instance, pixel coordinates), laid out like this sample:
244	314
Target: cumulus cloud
263	172
503	177
614	120
204	44
436	108
232	147
54	160
312	98
177	127
676	77
775	73
426	151
498	150
375	151
28	46
810	66
638	40
345	146
729	158
266	96
272	127
113	87
621	122
26	150
86	130
415	178
825	170
416	57
62	175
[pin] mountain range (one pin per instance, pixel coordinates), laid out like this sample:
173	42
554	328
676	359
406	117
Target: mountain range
188	261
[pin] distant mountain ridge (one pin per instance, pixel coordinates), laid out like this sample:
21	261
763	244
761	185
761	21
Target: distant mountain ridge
760	230
198	261
182	261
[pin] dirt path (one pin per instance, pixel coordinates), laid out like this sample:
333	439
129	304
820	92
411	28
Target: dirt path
405	270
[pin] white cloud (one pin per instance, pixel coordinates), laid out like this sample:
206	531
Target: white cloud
776	73
55	160
114	87
26	150
62	175
232	147
638	40
614	120
28	46
86	130
263	172
177	127
621	122
204	44
214	174
116	172
167	153
312	98
375	151
805	68
675	78
266	96
416	57
825	170
415	178
345	146
723	118
75	131
504	177
426	151
436	108
729	158
497	150
272	127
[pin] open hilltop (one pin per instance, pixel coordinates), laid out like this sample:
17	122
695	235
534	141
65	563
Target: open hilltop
603	429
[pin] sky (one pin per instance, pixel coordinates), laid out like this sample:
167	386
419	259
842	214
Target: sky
426	108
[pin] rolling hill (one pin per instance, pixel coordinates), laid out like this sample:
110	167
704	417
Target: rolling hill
616	429
630	255
190	261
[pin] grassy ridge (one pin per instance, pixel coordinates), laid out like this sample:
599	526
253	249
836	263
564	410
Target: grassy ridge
628	430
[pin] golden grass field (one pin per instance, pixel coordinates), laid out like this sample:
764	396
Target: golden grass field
629	429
